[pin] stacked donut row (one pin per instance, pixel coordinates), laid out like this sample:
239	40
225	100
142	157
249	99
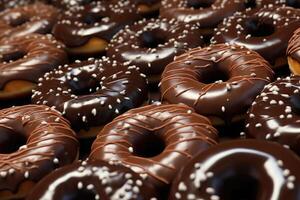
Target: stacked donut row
81	69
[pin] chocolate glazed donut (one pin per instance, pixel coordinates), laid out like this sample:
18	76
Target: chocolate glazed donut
24	20
220	81
91	93
241	169
24	60
293	53
155	140
261	31
207	13
274	114
34	140
152	44
93	180
86	30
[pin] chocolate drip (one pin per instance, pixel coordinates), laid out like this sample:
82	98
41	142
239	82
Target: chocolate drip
293	49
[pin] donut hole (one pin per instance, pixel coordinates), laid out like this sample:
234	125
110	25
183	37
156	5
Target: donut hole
148	145
84	87
11	141
237	185
293	3
250	3
197	4
92	18
259	29
13	56
213	75
152	39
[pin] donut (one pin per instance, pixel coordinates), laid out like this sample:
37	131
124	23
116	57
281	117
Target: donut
293	52
207	13
220	81
91	93
152	44
274	114
240	169
155	140
86	30
23	60
23	20
266	31
93	180
34	140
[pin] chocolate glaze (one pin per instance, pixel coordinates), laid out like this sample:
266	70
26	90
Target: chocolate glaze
152	44
220	80
272	115
266	31
155	140
97	19
50	143
93	180
293	49
21	21
207	13
29	57
67	4
242	169
92	93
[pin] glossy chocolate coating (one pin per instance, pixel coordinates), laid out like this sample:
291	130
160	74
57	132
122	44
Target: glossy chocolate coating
273	116
293	49
155	140
24	20
92	93
50	143
97	19
152	44
29	57
219	80
93	180
207	13
266	31
67	4
242	169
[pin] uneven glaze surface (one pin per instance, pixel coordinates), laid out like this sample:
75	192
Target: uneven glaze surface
245	169
266	31
97	19
4	4
293	49
29	57
178	131
152	44
50	143
92	93
236	75
273	115
93	180
24	20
